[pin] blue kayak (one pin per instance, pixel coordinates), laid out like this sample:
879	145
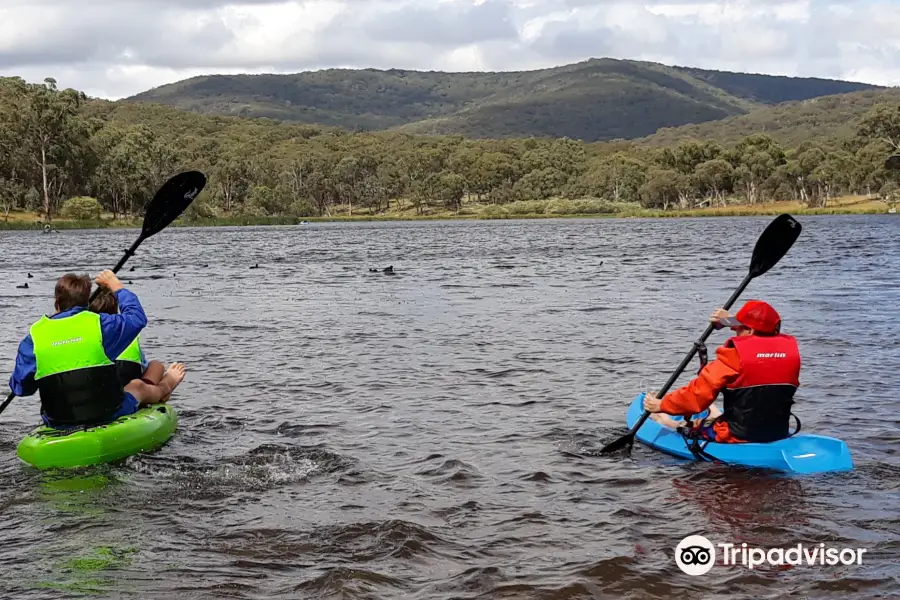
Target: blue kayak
802	453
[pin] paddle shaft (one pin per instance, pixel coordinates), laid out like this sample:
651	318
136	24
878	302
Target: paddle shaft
128	254
690	355
7	401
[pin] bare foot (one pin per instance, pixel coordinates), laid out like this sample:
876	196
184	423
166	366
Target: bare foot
174	375
666	421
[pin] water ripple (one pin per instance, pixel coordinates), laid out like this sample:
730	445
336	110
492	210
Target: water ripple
346	434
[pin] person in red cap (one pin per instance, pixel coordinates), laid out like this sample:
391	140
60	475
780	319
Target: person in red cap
757	371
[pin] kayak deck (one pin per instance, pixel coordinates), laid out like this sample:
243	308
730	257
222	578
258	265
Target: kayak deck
802	453
147	429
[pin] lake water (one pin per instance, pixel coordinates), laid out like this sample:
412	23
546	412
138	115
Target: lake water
349	434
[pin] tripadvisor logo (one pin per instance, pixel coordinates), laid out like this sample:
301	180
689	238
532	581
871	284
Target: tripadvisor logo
696	555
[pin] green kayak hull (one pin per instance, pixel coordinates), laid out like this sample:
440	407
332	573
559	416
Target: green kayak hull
144	431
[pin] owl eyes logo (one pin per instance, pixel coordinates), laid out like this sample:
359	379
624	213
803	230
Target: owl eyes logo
695	555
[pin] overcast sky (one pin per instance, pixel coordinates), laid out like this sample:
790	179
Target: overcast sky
114	48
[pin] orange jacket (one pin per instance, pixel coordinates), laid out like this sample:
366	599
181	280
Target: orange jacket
701	392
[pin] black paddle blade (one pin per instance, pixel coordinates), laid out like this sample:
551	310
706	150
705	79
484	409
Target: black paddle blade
623	443
774	243
893	162
170	201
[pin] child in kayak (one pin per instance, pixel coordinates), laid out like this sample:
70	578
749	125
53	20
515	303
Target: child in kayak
69	357
131	364
757	371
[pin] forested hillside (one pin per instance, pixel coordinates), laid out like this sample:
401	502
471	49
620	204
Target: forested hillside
599	99
791	123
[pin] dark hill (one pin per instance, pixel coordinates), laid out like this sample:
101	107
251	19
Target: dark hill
599	99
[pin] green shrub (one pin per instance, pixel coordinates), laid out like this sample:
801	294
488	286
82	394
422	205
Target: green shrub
493	212
199	209
303	208
526	207
251	209
81	208
558	206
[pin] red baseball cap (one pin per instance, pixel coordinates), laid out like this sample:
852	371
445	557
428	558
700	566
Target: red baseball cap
757	315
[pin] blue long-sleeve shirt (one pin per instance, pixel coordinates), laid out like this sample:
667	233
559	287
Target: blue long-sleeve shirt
117	331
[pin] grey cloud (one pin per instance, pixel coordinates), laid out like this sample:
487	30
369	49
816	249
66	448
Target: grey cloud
593	3
573	38
878	31
127	33
142	5
441	24
136	33
560	40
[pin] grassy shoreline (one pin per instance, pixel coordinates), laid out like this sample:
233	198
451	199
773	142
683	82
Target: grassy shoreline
853	205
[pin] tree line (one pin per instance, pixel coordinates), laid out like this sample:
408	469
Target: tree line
63	152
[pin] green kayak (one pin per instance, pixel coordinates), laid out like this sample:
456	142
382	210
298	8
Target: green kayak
145	430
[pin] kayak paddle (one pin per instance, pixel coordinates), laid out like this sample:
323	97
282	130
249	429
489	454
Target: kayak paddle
771	246
168	203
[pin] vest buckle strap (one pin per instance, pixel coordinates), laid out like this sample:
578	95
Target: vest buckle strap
695	444
702	354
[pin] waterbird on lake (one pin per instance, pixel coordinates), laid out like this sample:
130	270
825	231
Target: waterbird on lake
256	266
30	276
24	286
389	270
